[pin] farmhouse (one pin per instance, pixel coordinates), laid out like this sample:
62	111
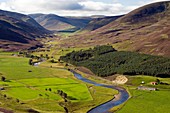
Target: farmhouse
154	83
36	64
146	88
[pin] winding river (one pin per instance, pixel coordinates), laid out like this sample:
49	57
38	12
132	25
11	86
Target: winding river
105	107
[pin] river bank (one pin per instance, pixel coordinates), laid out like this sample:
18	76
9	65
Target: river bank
105	107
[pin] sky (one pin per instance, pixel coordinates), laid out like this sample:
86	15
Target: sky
74	7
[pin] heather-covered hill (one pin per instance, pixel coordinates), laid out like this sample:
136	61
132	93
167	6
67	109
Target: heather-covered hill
58	23
18	29
146	30
99	22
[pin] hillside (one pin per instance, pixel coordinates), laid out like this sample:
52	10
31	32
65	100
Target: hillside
99	22
146	30
57	23
18	29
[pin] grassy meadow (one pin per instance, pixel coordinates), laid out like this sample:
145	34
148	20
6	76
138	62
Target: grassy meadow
147	101
36	88
17	68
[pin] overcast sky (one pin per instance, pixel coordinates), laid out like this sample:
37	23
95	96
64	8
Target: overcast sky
74	7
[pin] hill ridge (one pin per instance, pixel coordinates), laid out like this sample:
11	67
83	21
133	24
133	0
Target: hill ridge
19	30
148	34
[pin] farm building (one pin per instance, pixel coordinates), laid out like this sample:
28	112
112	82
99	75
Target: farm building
154	83
146	88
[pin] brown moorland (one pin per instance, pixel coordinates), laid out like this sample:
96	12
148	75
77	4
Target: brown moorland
146	30
19	31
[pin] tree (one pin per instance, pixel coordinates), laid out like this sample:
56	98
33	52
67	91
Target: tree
59	60
58	91
3	78
66	64
64	95
5	95
47	56
30	61
53	61
158	81
41	55
66	110
61	93
17	100
49	89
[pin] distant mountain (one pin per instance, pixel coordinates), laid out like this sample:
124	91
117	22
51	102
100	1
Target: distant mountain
146	30
99	22
57	23
19	29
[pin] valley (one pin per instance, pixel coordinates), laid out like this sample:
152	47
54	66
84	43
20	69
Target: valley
86	64
50	76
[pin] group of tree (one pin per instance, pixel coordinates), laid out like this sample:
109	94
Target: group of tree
82	55
62	94
105	61
37	58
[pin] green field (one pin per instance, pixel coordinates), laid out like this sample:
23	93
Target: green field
17	68
32	88
26	89
147	101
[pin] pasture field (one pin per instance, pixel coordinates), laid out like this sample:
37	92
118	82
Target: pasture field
52	48
99	94
27	89
135	81
17	68
38	89
31	86
147	101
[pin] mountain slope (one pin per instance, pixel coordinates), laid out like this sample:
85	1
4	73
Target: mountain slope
57	23
146	30
99	22
19	28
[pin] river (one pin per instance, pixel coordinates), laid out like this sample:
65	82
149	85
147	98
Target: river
105	107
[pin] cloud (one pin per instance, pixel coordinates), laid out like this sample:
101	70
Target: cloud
144	2
158	0
100	8
65	7
69	7
42	5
